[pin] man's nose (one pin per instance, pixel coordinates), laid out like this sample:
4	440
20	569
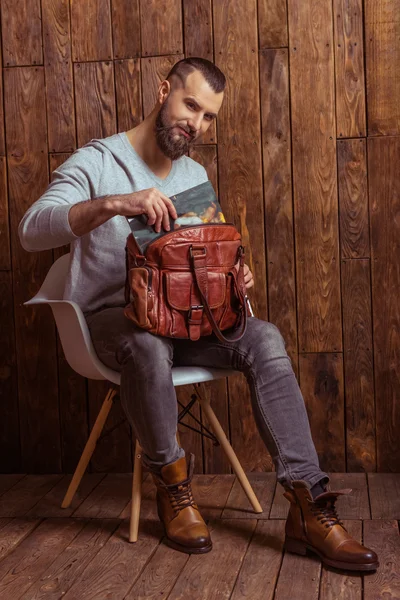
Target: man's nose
195	123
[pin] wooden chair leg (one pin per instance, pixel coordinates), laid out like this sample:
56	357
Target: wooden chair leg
136	494
89	448
233	459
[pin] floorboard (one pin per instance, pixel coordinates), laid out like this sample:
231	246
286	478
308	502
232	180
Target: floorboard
49	553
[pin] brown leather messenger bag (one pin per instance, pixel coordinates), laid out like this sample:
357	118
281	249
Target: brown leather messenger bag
186	284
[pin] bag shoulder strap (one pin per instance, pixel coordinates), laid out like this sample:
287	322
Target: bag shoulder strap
199	265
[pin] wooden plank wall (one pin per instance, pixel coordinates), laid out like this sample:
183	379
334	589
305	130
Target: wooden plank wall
304	156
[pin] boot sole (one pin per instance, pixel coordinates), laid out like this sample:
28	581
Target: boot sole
186	549
299	547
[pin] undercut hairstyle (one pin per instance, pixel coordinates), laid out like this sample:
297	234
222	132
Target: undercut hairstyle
212	74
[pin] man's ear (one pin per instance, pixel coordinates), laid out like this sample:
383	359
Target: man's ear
164	91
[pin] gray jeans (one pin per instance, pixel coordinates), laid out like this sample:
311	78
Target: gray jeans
149	400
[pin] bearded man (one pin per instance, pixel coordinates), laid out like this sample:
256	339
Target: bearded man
134	173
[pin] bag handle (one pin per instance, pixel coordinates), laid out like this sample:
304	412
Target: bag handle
199	265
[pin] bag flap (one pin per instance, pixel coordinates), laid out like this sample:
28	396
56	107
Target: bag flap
179	285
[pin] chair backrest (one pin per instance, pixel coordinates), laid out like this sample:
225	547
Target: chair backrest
71	324
75	336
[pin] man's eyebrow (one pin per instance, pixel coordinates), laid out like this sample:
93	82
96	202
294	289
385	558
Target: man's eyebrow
198	105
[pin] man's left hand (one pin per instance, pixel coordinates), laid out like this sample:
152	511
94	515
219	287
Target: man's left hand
248	275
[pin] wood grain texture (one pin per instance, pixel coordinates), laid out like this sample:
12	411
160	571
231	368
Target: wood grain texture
383	537
126	28
274	86
28	178
239	148
198	28
59	577
384	193
115	568
10	456
58	68
353	199
382	53
5	256
22	36
161	25
202	575
95	101
384	493
2	140
19	499
314	176
321	381
91	30
349	68
207	156
35	554
128	92
238	505
264	555
272	24
189	440
358	365
154	71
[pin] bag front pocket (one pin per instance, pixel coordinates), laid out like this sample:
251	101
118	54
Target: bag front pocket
139	288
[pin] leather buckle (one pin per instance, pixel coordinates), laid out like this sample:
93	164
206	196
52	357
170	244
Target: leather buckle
194	307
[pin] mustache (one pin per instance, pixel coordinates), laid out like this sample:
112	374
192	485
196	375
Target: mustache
168	127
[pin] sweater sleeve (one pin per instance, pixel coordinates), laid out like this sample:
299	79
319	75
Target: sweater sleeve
45	225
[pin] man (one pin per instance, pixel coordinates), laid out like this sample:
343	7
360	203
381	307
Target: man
86	205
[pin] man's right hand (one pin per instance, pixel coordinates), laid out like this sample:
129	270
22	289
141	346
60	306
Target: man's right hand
156	205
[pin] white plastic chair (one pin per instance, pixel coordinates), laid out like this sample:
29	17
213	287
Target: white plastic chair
81	356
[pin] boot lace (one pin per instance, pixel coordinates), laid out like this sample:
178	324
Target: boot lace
180	495
326	512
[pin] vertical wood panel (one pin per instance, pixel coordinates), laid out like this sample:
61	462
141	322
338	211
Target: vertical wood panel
240	180
154	71
22	32
5	257
91	30
35	336
314	175
128	93
321	379
198	28
58	68
10	455
349	68
382	49
272	23
71	386
384	192
161	26
353	199
189	440
198	22
95	101
126	28
274	83
207	156
2	140
358	365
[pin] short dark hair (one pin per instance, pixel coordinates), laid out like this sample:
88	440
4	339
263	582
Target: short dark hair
212	74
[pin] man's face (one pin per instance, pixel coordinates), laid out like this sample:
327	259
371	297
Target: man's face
185	115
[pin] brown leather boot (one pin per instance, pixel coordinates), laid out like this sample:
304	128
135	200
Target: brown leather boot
314	525
184	526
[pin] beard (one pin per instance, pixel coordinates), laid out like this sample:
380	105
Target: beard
172	146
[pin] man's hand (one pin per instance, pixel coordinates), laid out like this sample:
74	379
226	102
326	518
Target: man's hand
156	205
248	275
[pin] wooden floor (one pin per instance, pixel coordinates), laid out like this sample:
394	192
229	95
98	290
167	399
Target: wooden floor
83	552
